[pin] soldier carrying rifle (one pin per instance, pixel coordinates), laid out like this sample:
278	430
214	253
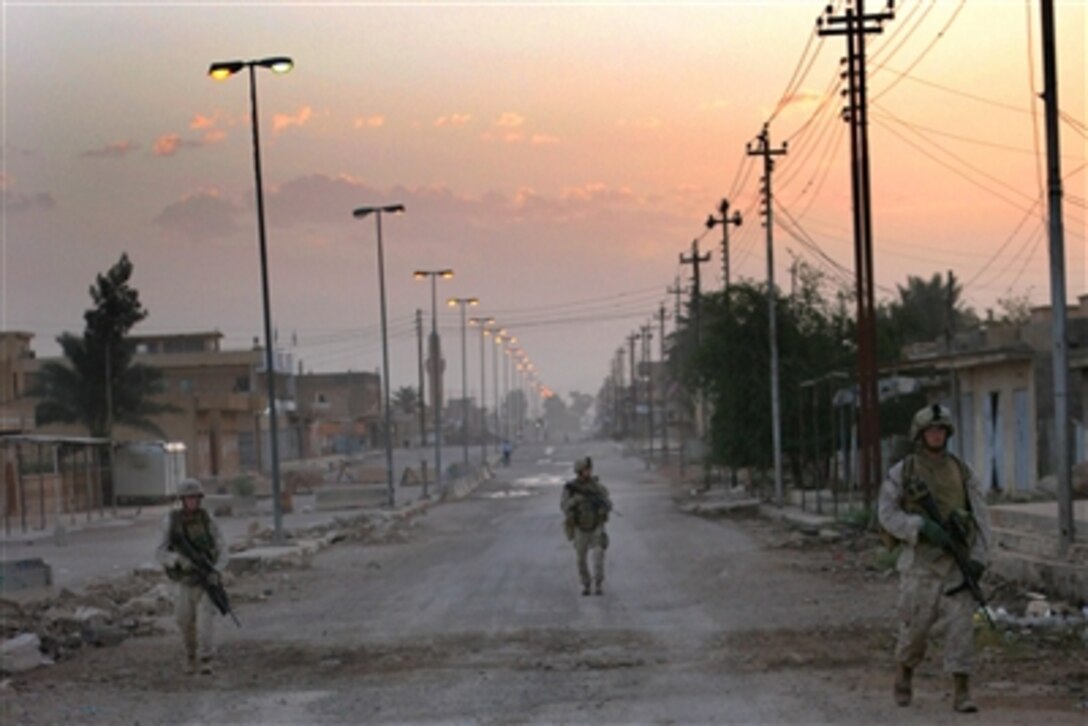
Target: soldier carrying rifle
192	551
586	506
931	503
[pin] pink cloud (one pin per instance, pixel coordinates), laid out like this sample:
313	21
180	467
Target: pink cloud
510	119
369	122
543	139
201	215
281	121
116	150
170	144
453	119
203	122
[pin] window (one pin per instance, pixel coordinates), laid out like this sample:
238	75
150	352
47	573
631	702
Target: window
185	385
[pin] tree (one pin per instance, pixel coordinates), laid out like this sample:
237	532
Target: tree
580	403
99	386
925	311
406	399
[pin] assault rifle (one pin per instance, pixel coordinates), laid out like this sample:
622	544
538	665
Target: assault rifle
206	574
958	546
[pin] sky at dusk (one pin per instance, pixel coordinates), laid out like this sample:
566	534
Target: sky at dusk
558	156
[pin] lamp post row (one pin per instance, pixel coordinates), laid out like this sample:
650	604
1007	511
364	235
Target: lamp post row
222	70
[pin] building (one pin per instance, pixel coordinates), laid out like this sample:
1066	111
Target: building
998	381
340	413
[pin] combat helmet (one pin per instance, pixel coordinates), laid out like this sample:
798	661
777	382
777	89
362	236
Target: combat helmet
190	488
932	415
582	464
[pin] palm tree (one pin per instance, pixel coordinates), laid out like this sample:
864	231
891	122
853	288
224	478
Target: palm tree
98	385
406	399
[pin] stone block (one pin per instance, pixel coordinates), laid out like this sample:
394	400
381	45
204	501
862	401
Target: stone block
21	653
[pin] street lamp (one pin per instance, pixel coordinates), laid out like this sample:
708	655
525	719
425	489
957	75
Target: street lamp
482	323
436	388
221	71
501	339
360	213
462	302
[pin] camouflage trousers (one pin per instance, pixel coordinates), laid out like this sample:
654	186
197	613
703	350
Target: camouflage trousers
924	608
595	540
195	614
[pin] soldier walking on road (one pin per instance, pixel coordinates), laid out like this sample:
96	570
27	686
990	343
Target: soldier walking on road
586	506
930	582
193	608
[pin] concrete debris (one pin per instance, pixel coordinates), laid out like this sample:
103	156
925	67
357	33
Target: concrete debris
21	653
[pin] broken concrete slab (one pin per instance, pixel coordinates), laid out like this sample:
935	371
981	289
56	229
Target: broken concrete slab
264	558
21	653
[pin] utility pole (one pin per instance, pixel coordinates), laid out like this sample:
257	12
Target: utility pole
857	26
763	148
1059	334
422	400
695	259
664	393
634	385
647	336
621	409
725	220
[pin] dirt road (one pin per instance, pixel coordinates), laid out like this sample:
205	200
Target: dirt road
473	614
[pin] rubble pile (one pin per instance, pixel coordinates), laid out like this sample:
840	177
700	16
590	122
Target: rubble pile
53	629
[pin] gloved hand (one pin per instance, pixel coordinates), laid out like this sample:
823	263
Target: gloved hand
976	569
934	534
182	562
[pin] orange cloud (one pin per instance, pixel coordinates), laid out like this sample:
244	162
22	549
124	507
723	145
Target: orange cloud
510	120
214	136
371	122
166	145
281	121
203	122
454	119
543	139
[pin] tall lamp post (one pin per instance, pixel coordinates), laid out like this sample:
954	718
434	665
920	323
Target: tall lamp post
463	302
483	324
436	389
221	70
360	213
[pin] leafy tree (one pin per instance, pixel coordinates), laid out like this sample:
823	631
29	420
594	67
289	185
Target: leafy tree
580	403
925	311
1014	309
99	386
406	399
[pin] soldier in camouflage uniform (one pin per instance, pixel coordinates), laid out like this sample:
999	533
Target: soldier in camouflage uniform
193	608
586	505
927	572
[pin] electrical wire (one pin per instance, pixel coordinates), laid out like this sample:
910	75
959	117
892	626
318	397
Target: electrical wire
924	52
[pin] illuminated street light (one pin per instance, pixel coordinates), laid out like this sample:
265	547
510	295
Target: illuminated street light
221	71
360	213
436	388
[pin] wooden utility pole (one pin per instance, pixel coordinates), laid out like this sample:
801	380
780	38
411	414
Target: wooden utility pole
763	148
634	385
1059	334
725	220
695	259
648	335
664	393
855	26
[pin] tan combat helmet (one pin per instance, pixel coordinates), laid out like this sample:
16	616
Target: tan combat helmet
190	488
932	415
582	464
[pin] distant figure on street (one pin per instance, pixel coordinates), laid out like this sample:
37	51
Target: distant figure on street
927	482
586	506
193	609
507	450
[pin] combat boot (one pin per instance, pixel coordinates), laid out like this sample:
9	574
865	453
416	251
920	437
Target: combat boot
205	666
585	589
902	685
598	589
961	699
